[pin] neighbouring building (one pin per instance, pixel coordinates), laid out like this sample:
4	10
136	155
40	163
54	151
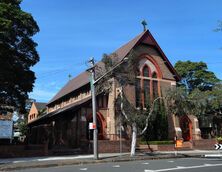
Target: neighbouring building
37	109
69	112
6	124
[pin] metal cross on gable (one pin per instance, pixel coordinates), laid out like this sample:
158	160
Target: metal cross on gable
144	23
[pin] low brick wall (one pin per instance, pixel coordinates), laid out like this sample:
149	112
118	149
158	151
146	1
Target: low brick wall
151	148
107	146
12	151
170	147
207	144
203	144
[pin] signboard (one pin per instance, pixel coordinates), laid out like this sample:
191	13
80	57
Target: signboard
92	126
218	146
6	129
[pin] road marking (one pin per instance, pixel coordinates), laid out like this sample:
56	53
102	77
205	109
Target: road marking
180	167
83	169
17	162
116	166
208	164
183	168
170	161
145	163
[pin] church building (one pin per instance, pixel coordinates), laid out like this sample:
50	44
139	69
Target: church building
69	112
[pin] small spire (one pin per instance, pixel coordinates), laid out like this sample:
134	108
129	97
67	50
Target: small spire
69	76
144	25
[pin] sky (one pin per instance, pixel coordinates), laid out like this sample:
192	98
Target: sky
72	31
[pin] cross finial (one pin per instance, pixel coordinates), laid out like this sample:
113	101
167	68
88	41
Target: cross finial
144	25
69	76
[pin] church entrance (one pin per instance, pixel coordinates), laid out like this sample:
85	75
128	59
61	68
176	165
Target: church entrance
186	127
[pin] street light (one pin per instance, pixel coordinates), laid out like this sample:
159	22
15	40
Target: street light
92	83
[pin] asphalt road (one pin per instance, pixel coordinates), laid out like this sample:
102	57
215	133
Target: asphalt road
180	165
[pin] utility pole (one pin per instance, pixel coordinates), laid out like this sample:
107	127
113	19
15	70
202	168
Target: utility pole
93	93
93	83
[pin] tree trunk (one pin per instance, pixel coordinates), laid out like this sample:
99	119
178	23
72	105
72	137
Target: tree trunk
133	143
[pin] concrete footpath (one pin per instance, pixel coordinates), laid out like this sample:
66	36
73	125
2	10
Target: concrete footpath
37	162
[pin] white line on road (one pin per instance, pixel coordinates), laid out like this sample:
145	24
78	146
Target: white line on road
170	161
116	166
145	163
83	169
182	168
213	156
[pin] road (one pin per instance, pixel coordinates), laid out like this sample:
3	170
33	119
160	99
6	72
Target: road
181	165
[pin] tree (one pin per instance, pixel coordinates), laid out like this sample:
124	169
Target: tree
195	75
17	54
125	75
178	102
203	104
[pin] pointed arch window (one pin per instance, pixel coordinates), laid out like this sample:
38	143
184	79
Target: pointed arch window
146	87
155	86
146	71
154	75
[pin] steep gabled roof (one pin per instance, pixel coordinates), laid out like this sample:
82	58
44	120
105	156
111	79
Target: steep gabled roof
40	106
72	85
125	49
146	38
83	79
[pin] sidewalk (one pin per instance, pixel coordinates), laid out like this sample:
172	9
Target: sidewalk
37	162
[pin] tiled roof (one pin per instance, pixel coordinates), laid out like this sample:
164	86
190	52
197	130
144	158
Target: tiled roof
64	109
40	105
120	53
72	85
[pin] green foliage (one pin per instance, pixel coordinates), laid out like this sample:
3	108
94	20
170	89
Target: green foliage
17	53
158	124
23	128
162	142
178	102
195	75
219	139
125	73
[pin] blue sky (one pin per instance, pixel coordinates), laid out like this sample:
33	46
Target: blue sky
72	31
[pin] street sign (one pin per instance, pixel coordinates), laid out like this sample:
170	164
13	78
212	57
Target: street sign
92	126
218	146
6	129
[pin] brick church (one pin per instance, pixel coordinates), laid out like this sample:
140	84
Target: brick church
69	112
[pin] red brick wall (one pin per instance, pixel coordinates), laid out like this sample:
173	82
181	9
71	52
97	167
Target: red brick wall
204	144
11	151
106	146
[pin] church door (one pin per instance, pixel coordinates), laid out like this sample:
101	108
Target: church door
186	127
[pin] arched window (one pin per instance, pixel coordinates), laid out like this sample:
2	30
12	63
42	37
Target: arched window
138	93
154	75
155	85
146	71
146	85
146	92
